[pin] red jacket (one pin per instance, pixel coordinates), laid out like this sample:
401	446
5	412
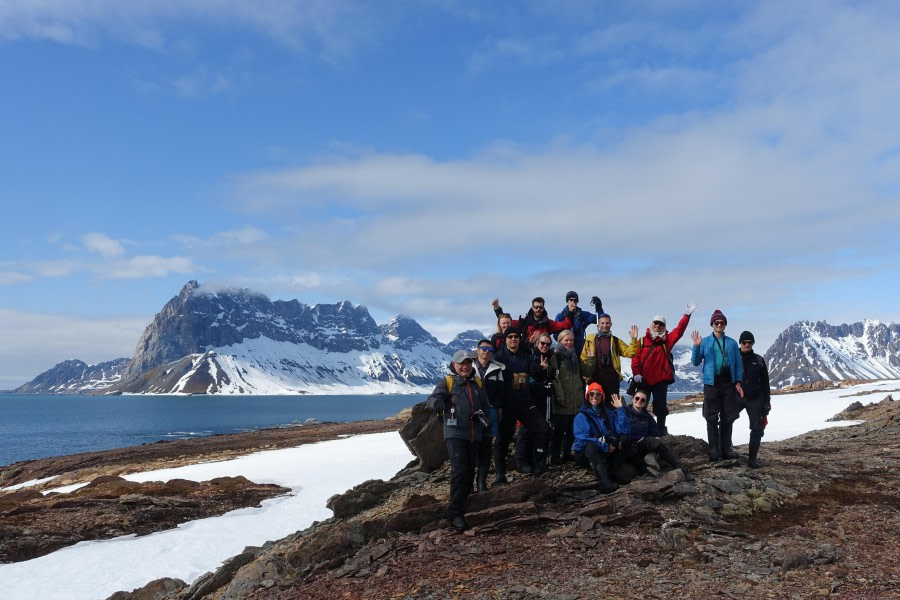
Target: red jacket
652	359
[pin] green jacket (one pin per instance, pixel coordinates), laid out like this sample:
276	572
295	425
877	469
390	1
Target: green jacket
568	387
618	349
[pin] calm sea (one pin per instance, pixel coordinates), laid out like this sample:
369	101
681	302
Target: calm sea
36	426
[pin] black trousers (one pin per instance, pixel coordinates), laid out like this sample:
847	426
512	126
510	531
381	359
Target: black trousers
463	456
754	408
536	423
658	394
719	403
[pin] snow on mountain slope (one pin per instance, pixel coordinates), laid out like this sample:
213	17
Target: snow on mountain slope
807	352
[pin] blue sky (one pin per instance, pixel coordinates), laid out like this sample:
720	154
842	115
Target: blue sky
424	157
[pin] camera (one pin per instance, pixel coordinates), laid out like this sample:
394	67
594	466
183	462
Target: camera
482	418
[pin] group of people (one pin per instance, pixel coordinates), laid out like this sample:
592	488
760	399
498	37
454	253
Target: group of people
561	402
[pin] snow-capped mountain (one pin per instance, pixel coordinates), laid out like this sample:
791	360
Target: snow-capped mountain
75	377
807	352
240	342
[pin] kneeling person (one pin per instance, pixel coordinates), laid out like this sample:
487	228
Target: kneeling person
461	400
644	431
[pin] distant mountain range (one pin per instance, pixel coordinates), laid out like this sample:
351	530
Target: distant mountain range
236	341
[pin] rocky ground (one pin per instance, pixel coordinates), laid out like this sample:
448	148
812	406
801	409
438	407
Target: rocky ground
820	519
33	524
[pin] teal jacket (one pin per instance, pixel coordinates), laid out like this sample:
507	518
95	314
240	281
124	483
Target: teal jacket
710	353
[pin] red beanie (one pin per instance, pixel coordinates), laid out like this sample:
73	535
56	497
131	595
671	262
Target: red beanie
594	387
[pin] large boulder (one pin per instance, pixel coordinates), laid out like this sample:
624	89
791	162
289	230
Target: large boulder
423	434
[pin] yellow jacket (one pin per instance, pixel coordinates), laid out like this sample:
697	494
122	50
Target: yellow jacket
618	348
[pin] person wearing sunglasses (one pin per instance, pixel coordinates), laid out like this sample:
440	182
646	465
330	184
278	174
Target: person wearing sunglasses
461	402
516	404
652	365
540	387
535	322
580	319
722	373
597	446
491	373
757	395
644	433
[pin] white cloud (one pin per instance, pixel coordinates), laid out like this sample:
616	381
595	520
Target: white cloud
102	244
139	267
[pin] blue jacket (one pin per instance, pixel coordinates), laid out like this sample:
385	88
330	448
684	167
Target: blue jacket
707	352
590	427
580	321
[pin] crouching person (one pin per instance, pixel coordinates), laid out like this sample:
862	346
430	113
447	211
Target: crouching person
644	433
596	443
463	405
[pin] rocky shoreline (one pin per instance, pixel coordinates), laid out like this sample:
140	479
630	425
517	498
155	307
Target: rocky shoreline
820	519
33	524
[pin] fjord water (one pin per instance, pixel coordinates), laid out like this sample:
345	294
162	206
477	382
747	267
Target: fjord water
38	426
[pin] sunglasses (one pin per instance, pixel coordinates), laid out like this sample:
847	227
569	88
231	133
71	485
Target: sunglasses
543	343
513	336
595	394
746	343
660	323
486	348
640	399
538	307
718	322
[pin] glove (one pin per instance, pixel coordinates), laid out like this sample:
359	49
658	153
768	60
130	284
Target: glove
597	303
765	420
638	379
691	306
438	406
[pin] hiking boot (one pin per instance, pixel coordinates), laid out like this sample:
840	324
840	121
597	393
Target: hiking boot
753	463
663	431
607	487
501	479
525	469
459	524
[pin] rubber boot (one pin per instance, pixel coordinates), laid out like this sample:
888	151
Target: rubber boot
484	463
499	465
523	451
661	421
540	461
712	436
755	439
728	452
603	483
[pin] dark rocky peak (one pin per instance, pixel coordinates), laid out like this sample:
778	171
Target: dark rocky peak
405	332
72	376
465	341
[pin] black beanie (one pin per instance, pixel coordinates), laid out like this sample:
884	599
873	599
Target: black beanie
746	336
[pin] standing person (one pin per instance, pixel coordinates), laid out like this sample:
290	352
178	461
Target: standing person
535	321
652	364
601	354
540	386
504	324
568	396
596	442
462	402
580	319
515	404
757	395
722	374
491	374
